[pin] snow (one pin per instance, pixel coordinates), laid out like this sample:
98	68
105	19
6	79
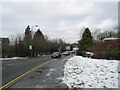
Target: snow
90	53
13	58
80	72
49	73
110	39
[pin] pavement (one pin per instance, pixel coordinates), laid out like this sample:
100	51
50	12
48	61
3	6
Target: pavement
48	76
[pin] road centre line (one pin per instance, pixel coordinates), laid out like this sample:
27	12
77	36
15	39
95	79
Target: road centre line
24	74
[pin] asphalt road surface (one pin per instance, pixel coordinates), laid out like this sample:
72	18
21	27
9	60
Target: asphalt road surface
14	68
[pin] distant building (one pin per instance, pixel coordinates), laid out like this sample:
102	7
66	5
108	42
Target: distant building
0	47
4	47
67	48
100	47
75	48
0	40
4	40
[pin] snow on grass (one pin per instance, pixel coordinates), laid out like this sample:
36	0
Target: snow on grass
13	58
80	72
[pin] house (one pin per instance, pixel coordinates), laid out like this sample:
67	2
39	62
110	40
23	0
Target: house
67	47
75	49
4	47
99	49
0	47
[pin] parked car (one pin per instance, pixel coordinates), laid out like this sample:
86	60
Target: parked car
56	55
66	53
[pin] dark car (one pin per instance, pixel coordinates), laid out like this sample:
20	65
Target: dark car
66	53
56	55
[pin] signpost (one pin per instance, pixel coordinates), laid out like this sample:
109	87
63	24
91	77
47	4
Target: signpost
30	48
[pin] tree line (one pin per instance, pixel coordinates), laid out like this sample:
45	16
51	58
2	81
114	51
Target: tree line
40	44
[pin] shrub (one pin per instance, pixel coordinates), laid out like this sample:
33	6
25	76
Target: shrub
113	52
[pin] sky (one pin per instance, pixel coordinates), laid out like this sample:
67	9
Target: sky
63	19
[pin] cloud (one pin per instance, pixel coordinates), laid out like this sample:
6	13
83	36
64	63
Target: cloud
107	24
59	0
64	20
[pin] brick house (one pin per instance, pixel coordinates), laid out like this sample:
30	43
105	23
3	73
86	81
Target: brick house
99	48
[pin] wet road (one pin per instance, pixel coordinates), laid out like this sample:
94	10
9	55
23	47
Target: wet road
14	68
50	75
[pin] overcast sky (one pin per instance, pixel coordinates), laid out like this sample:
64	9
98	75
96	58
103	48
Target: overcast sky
64	20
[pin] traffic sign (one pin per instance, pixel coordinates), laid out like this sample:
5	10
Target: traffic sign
30	47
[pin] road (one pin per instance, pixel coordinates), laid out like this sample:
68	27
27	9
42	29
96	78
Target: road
14	68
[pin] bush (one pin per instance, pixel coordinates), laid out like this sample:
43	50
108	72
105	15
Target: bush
79	53
86	55
113	52
83	53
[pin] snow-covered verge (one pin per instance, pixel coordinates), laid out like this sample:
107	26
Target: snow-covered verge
80	72
13	58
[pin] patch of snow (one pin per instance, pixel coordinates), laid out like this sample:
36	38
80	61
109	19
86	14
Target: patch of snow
110	39
52	69
13	58
90	53
50	72
80	72
59	78
44	55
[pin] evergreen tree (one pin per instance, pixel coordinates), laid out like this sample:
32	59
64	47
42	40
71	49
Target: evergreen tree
27	40
86	41
38	42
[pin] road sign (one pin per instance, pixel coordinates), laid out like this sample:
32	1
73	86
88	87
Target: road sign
30	47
